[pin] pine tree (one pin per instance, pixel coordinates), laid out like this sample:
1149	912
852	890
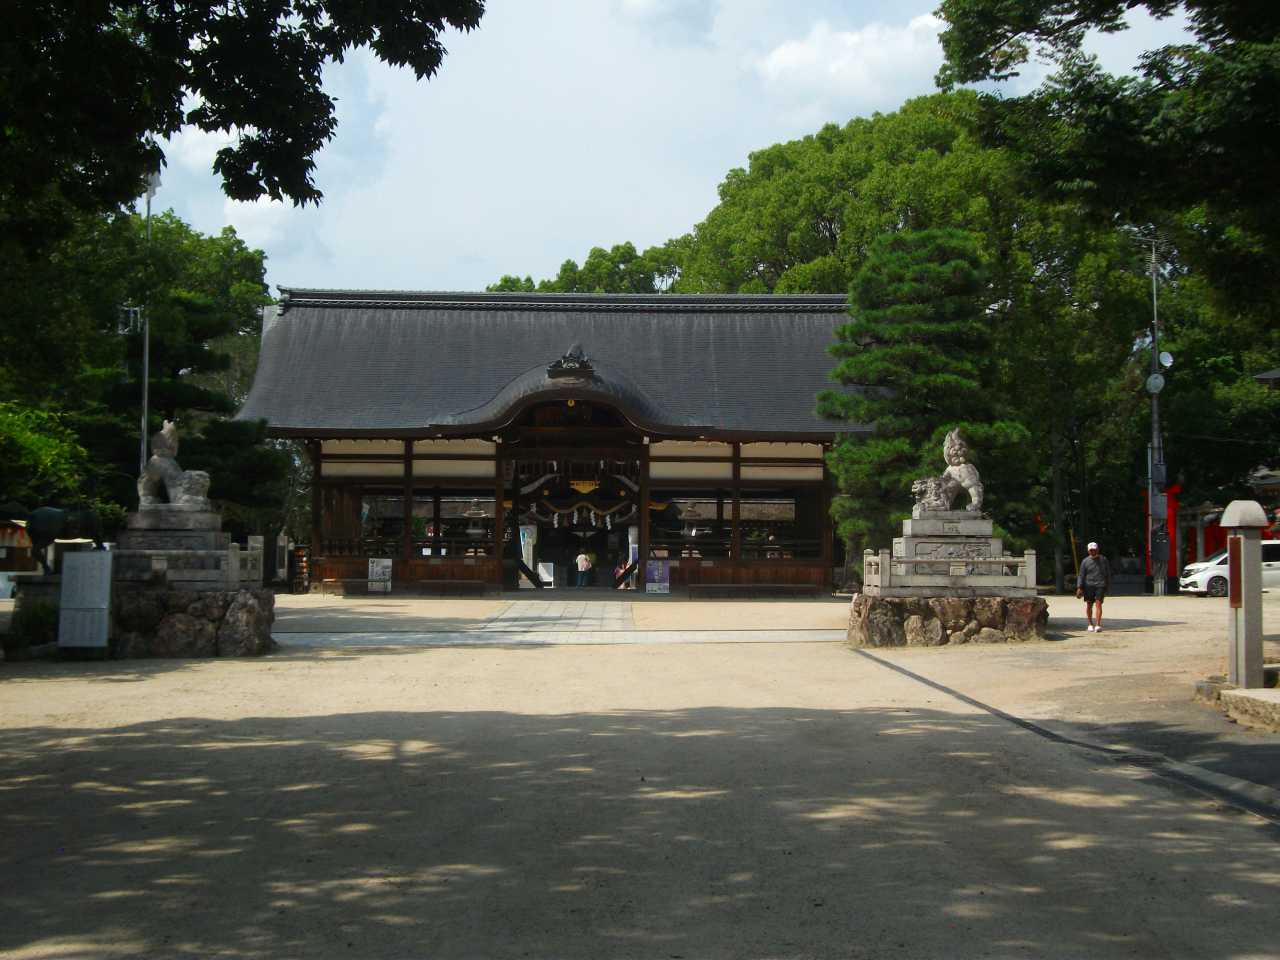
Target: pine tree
916	359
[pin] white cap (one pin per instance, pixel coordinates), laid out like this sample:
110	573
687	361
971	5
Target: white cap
1092	545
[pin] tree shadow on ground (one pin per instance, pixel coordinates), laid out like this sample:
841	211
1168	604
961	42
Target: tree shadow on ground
711	832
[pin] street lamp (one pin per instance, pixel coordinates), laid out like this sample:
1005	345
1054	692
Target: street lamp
153	184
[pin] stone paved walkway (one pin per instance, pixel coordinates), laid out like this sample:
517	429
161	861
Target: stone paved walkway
563	616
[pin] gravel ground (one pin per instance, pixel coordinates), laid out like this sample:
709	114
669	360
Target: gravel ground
682	800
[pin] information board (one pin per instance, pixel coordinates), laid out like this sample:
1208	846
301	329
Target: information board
657	576
379	575
84	614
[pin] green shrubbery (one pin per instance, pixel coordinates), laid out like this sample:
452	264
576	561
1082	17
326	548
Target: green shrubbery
33	623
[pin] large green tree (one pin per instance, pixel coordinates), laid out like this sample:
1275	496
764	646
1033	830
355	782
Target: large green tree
70	367
87	91
620	269
1191	142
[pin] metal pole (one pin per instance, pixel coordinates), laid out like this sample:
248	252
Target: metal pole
146	345
1156	444
1156	524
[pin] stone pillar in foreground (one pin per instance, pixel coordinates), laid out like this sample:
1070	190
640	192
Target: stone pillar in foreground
1245	520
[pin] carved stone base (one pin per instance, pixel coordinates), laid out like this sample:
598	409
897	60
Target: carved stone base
953	523
934	621
174	540
174	516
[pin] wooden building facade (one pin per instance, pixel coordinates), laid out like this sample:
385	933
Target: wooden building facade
492	437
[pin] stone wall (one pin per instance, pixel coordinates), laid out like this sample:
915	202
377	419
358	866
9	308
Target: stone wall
934	621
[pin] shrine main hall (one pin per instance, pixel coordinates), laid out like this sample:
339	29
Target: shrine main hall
495	437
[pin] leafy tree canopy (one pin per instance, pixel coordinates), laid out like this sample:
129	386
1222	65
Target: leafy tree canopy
1192	142
88	90
619	269
70	361
40	459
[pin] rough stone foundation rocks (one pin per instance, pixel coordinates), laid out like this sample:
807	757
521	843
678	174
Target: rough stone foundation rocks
912	621
184	623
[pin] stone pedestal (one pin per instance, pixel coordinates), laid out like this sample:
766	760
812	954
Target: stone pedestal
183	547
948	553
935	621
181	588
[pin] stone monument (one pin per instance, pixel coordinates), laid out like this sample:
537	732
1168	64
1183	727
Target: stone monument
180	587
175	551
947	579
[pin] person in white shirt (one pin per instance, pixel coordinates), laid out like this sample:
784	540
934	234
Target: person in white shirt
584	568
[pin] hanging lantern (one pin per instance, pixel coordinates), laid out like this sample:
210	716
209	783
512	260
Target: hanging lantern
555	519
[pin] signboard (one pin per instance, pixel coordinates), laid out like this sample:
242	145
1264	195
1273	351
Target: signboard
657	576
379	574
84	615
1234	592
547	574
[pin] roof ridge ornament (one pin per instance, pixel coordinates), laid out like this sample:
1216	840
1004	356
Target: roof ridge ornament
573	365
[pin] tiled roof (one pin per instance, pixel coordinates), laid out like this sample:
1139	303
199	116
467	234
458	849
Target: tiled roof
386	363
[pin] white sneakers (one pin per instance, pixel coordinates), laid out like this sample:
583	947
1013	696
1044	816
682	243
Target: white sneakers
1093	629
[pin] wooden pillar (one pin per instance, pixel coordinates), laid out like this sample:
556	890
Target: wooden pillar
313	447
406	535
499	514
435	521
825	517
644	518
736	514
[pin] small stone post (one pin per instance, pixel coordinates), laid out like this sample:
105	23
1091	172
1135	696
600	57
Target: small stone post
1245	519
232	571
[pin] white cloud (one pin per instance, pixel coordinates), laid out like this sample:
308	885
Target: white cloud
260	223
195	149
563	125
874	67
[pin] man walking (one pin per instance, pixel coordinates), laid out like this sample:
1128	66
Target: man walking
583	563
1093	584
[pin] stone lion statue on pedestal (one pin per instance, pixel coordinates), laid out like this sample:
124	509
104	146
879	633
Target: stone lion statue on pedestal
939	493
185	488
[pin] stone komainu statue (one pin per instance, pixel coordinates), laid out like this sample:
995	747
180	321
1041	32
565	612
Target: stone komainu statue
938	493
186	488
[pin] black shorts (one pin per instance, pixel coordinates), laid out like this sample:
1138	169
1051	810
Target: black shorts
1094	594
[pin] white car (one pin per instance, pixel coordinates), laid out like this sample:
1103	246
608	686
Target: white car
1210	575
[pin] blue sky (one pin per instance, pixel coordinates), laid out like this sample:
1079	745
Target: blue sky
566	124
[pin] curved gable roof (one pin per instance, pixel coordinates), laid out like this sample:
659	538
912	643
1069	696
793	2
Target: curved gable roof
368	363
